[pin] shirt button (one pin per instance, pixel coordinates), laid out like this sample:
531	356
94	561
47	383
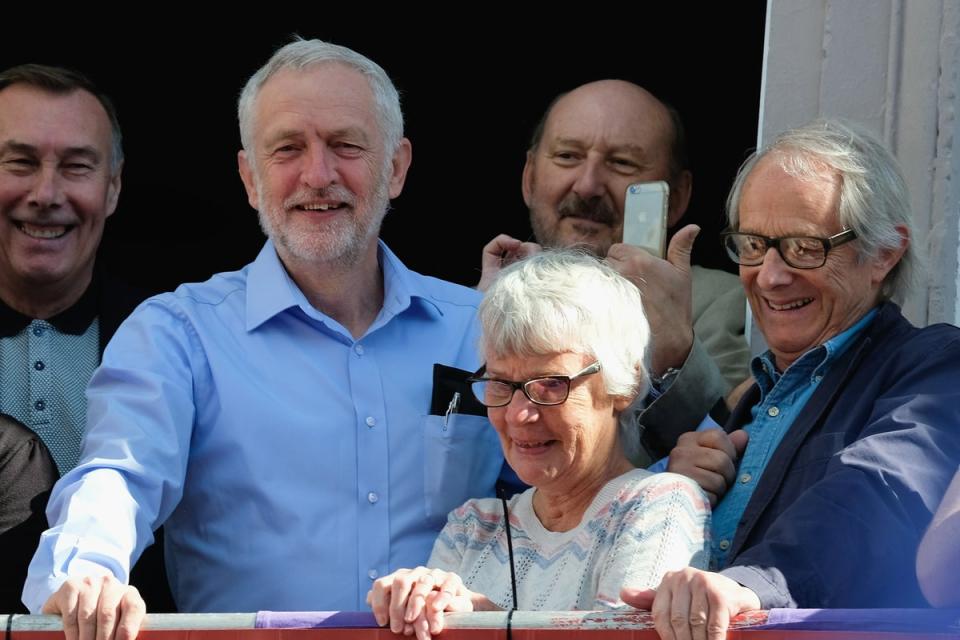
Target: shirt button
817	378
358	348
38	331
371	421
38	365
372	574
745	478
372	498
724	544
773	412
39	405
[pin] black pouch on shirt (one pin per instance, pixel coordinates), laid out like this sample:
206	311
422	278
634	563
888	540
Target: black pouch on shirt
446	382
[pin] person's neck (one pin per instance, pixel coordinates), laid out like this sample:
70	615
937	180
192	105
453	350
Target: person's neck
43	301
351	294
562	508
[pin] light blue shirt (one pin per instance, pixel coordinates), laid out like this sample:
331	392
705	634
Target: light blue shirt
291	464
782	398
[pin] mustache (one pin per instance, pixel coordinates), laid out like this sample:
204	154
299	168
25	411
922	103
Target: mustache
335	192
595	210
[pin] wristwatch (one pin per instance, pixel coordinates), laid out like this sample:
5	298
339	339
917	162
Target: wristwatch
662	382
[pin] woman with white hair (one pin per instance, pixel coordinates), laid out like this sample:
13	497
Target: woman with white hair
564	340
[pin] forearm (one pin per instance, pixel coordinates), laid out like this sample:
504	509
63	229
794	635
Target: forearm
694	392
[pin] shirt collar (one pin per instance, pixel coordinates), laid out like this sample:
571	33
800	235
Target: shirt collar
73	320
271	290
816	360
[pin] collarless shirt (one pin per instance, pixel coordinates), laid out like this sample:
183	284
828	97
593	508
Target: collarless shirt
291	463
44	369
782	397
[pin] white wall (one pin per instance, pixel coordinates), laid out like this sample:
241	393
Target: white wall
893	66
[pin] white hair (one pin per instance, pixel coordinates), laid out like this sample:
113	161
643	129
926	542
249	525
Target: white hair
564	300
304	53
873	193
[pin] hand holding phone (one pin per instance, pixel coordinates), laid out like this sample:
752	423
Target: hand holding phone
645	216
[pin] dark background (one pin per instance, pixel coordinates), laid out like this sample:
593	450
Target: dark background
472	93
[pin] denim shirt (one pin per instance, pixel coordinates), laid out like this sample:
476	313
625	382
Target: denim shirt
782	397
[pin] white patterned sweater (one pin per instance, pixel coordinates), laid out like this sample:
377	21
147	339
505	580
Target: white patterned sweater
638	527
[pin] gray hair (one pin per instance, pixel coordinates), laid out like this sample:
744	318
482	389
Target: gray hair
565	300
300	54
61	81
873	192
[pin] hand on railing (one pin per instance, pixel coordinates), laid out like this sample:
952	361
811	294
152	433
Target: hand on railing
691	603
103	608
415	600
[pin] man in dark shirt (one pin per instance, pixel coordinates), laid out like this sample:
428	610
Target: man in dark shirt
60	163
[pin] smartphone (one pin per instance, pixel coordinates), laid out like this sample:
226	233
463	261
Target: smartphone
645	216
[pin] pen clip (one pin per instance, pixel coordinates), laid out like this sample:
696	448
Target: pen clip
453	407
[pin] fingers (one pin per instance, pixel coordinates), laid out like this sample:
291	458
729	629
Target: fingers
412	601
717	439
638	598
739	440
64	603
718	618
98	609
423	587
133	614
681	246
700	608
691	604
708	457
680	613
400	593
493	251
388	597
500	252
660	609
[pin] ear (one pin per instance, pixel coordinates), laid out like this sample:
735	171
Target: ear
249	180
680	190
400	164
527	181
888	258
113	191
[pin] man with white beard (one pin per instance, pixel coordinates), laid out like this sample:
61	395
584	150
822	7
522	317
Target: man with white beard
277	419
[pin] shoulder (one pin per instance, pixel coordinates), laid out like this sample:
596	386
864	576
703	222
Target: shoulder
906	347
473	522
648	487
220	289
642	495
447	295
480	512
443	294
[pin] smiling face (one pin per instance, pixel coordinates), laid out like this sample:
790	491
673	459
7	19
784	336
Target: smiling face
563	447
597	140
56	188
318	172
799	309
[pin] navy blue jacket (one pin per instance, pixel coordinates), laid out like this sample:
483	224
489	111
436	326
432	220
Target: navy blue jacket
837	516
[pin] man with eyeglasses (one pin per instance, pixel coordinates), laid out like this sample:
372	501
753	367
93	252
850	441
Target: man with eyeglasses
853	419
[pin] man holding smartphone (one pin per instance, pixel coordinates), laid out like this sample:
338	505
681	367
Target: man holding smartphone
590	145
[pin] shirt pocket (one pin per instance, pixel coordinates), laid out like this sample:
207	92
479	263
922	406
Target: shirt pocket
462	460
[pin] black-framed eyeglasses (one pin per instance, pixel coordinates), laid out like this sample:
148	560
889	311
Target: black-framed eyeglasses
543	390
800	252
